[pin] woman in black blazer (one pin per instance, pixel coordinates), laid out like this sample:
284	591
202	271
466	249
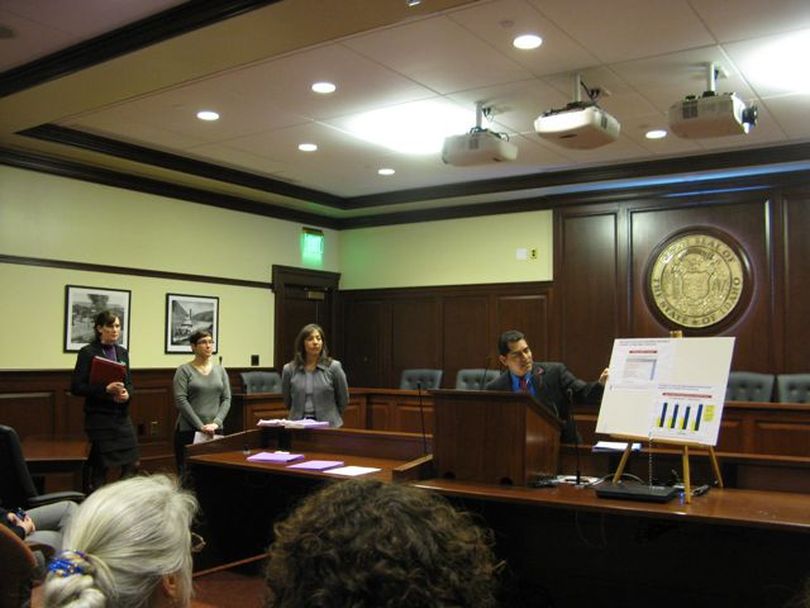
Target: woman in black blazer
106	406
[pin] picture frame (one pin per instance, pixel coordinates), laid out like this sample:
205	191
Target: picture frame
83	303
186	314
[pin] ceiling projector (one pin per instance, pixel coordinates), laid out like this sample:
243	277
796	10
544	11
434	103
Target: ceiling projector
480	146
711	115
580	125
477	148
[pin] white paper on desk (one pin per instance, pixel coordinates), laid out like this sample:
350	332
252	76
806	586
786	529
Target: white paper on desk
613	446
353	471
200	437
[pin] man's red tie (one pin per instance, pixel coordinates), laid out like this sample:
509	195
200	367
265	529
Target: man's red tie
524	385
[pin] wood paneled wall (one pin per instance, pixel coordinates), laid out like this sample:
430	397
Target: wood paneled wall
450	328
602	253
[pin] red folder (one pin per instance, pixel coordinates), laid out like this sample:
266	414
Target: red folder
103	371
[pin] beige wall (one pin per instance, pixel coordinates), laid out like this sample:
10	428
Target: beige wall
51	217
44	216
448	252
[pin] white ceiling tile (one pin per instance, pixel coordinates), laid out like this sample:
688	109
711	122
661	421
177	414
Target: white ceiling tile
499	22
439	54
791	112
742	19
620	30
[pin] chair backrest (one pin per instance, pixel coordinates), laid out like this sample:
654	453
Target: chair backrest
17	573
261	382
475	379
793	388
424	378
749	386
16	485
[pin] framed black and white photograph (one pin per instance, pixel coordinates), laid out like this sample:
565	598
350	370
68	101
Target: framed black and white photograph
82	304
187	314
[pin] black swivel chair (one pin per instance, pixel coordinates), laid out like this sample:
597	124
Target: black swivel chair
261	382
475	379
420	378
17	489
793	388
749	386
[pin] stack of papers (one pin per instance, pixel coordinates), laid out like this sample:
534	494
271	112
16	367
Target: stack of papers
274	457
317	465
293	424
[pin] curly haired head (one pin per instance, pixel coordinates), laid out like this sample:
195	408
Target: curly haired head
364	543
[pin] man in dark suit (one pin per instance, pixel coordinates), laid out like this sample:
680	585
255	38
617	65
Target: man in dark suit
549	382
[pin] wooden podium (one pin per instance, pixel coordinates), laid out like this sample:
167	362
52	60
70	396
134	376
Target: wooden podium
493	437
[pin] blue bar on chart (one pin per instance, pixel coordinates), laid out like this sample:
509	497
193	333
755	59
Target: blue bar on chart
697	418
663	415
686	418
674	417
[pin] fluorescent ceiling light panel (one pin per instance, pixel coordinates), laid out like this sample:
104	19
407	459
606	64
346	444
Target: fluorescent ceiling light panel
417	128
782	63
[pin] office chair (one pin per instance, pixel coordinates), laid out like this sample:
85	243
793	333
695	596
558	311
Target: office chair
793	388
424	378
261	382
475	379
18	571
17	489
749	386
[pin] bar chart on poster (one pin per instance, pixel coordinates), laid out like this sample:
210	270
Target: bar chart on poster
666	389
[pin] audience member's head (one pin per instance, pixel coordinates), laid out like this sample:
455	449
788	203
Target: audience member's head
129	545
365	543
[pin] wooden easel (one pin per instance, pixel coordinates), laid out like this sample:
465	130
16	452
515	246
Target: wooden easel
686	476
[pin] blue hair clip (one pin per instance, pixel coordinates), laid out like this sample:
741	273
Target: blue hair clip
64	565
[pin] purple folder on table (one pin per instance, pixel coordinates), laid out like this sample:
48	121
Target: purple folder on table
274	457
317	465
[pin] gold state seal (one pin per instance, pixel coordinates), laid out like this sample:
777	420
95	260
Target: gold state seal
697	280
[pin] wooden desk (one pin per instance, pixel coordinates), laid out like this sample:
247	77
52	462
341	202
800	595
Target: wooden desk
56	462
745	508
729	547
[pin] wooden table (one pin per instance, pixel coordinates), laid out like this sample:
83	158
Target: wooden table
729	547
56	462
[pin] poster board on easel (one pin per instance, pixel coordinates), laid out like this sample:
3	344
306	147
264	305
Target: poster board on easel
669	390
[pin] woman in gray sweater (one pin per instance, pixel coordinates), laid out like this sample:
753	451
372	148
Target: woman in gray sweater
313	384
202	394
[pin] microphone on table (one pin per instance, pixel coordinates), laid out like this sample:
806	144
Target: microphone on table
570	396
483	383
422	417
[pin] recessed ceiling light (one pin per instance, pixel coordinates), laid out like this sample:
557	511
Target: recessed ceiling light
307	147
386	171
324	87
527	42
207	115
412	128
655	134
412	3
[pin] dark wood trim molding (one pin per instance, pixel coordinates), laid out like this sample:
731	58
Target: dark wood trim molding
687	165
107	177
182	164
140	272
167	24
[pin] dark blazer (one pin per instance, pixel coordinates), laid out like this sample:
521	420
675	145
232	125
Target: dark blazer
105	421
555	381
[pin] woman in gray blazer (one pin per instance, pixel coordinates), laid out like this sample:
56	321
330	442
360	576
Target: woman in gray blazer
313	384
